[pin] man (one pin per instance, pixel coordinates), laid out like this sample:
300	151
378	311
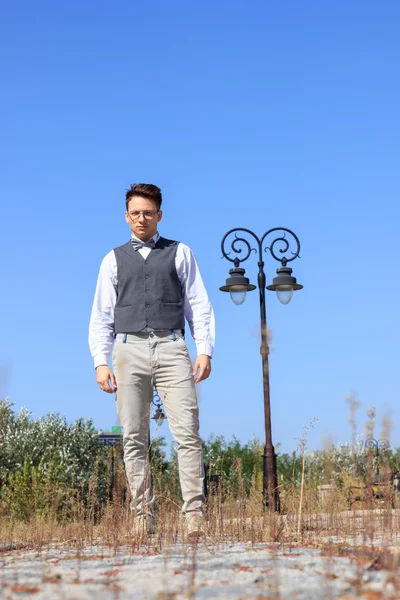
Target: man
145	290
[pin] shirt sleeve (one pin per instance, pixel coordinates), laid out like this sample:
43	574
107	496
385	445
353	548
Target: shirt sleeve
197	306
101	326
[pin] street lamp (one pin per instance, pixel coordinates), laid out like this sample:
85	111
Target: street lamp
158	416
377	445
284	284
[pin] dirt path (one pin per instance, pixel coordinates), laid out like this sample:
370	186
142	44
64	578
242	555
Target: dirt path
228	571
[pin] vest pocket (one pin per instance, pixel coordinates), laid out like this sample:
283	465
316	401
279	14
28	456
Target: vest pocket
170	315
123	317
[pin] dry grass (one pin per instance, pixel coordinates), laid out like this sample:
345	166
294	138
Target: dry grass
310	514
367	532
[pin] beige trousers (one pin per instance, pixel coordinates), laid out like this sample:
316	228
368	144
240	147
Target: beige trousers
142	361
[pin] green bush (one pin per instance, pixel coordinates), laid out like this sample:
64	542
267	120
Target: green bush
45	462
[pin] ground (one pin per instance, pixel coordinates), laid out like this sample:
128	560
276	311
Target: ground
232	571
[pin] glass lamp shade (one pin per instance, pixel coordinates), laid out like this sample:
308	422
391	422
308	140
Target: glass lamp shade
285	294
238	294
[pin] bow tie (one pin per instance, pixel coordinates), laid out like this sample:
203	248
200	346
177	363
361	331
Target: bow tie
138	244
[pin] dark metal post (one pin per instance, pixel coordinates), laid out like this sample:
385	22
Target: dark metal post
270	475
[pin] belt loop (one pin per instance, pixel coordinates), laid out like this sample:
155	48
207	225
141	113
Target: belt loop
125	336
173	334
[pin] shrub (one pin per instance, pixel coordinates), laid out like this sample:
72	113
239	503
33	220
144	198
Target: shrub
45	461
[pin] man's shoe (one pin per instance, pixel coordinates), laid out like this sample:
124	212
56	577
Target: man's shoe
142	527
194	526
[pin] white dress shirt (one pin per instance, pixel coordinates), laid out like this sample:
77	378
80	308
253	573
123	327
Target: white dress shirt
197	306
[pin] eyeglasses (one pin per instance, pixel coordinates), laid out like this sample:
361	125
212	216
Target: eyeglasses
147	214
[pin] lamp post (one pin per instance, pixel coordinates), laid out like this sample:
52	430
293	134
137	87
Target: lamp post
284	284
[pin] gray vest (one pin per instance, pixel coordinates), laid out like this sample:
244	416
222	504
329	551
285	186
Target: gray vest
149	292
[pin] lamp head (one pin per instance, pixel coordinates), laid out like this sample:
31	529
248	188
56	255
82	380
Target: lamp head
159	415
237	285
284	284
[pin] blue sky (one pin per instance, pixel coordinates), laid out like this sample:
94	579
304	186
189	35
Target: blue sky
254	114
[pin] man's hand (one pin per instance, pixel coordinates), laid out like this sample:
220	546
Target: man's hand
104	376
202	368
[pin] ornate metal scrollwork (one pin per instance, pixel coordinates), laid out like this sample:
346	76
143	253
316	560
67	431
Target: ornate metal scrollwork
377	445
237	247
384	444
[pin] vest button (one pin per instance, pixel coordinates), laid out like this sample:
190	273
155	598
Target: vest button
147	291
147	305
146	276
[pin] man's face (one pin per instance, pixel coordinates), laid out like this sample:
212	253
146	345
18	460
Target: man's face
142	217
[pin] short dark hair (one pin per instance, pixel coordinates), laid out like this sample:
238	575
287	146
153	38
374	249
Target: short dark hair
145	190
